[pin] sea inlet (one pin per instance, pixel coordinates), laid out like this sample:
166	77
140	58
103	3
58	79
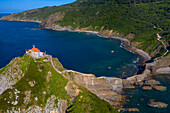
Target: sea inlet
83	52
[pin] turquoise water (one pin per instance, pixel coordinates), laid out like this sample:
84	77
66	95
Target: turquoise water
83	52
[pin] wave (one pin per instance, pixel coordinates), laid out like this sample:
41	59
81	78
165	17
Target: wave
135	61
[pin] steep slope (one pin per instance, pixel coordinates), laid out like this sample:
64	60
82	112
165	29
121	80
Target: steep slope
33	85
137	20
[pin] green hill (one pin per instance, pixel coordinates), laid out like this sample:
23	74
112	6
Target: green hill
137	20
33	85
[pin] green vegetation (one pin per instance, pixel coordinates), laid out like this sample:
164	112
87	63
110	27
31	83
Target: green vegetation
143	20
87	102
44	78
137	20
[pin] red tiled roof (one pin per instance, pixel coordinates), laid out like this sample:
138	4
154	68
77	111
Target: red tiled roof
35	49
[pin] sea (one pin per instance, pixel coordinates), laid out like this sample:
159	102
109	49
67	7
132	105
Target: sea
83	52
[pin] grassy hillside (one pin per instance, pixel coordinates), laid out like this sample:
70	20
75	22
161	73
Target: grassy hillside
38	82
137	20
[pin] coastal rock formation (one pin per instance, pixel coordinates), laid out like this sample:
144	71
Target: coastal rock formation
147	88
165	70
160	88
72	89
107	88
138	79
104	87
152	82
162	67
49	22
62	106
158	104
10	75
133	109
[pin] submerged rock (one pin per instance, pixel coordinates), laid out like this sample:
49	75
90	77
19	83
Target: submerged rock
152	82
160	88
147	88
158	104
132	109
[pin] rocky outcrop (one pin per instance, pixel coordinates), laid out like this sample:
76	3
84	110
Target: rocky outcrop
165	70
49	22
10	76
147	88
163	66
107	88
160	88
133	109
103	87
50	105
62	106
151	82
72	89
138	79
158	104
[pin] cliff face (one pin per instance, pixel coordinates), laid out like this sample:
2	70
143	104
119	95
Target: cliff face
50	21
33	85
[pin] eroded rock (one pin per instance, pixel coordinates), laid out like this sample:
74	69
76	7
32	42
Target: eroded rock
165	70
158	104
132	109
32	83
27	97
160	88
72	89
62	106
147	88
152	82
50	106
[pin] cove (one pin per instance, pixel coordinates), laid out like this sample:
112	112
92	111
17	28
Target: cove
83	52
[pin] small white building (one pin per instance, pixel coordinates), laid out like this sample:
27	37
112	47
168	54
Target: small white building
35	52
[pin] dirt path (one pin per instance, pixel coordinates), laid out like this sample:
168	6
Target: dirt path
50	57
159	39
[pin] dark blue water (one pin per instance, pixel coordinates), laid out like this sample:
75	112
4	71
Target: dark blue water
82	52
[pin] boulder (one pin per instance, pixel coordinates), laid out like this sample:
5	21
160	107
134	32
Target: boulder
147	88
160	88
158	104
127	85
165	70
132	109
152	82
